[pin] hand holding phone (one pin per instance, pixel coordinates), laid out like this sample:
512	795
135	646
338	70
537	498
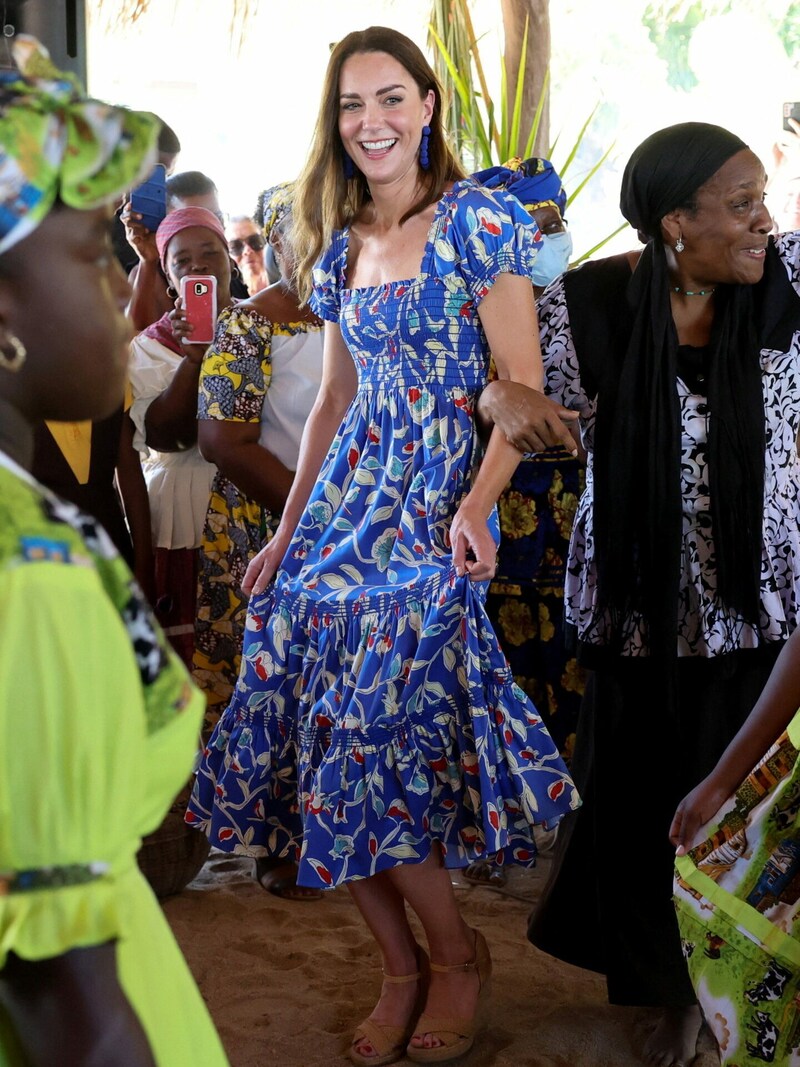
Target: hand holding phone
199	298
150	198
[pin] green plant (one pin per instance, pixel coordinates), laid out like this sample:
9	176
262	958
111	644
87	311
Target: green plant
480	138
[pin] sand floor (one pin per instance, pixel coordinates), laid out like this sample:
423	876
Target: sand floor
286	982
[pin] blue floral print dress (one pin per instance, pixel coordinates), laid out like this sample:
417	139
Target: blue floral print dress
375	713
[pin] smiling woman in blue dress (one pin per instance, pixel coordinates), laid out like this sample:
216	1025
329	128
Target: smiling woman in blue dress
376	730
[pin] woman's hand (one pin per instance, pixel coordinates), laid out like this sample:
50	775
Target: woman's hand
526	417
141	240
263	567
474	548
182	330
695	810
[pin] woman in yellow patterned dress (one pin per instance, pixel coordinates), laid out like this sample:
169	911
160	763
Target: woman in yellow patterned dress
258	382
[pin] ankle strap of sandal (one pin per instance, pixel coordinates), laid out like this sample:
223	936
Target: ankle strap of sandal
401	979
453	968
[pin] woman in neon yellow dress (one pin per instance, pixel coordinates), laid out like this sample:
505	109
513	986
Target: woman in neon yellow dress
98	719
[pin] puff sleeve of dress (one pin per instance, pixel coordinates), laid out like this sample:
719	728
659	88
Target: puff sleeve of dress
328	277
485	233
98	729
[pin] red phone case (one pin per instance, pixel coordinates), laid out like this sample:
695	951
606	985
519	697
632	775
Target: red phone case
199	295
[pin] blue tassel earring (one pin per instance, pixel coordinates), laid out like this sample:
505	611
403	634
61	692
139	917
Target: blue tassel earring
424	158
349	167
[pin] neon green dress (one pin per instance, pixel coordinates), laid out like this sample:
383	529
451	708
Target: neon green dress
98	729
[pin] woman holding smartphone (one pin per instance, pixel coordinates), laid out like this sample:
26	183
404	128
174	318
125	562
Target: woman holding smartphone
164	372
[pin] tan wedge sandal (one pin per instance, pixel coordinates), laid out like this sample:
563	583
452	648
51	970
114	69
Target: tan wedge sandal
389	1042
456	1033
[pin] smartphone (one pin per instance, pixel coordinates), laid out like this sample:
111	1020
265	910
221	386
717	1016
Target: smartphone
150	198
199	296
790	111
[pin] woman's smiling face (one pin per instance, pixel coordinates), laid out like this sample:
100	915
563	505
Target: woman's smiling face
726	237
381	115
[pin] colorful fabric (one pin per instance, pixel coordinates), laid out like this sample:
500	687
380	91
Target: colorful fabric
705	626
183	219
56	144
111	723
737	895
526	597
375	713
534	182
274	205
234	381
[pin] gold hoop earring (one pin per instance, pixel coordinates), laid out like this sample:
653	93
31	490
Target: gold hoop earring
172	293
13	363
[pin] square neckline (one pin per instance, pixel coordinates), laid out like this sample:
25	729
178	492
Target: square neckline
426	252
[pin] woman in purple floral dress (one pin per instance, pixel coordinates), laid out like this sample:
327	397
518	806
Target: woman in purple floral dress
376	730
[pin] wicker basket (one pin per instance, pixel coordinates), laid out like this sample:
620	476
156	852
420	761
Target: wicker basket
173	855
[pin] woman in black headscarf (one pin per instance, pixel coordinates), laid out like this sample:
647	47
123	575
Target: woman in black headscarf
684	363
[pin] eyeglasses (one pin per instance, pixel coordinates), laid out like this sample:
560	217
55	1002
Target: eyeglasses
254	240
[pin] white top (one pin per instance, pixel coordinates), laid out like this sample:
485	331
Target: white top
178	483
293	388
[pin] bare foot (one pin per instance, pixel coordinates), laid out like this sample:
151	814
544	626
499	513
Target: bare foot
673	1043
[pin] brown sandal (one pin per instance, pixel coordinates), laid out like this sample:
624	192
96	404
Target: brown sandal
389	1042
456	1033
279	877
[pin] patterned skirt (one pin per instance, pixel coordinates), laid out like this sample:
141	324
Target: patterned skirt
362	731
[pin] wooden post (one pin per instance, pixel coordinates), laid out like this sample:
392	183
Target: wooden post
537	60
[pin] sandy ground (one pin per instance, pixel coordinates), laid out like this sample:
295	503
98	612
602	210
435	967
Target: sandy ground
287	982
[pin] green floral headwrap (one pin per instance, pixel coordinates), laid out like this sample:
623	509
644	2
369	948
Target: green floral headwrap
57	144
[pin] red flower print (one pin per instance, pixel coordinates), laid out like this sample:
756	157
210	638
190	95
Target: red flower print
398	810
322	871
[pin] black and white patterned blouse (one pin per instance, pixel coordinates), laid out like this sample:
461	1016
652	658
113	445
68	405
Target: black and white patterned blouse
705	626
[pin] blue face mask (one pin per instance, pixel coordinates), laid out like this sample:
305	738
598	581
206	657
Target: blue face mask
552	258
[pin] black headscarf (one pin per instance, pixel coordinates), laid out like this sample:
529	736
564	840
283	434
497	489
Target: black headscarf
638	511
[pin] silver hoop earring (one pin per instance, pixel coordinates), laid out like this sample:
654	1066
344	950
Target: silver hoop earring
679	245
13	363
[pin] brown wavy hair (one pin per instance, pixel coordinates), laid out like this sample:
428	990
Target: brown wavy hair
324	199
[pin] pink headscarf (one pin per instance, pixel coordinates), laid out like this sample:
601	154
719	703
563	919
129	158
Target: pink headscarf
182	219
